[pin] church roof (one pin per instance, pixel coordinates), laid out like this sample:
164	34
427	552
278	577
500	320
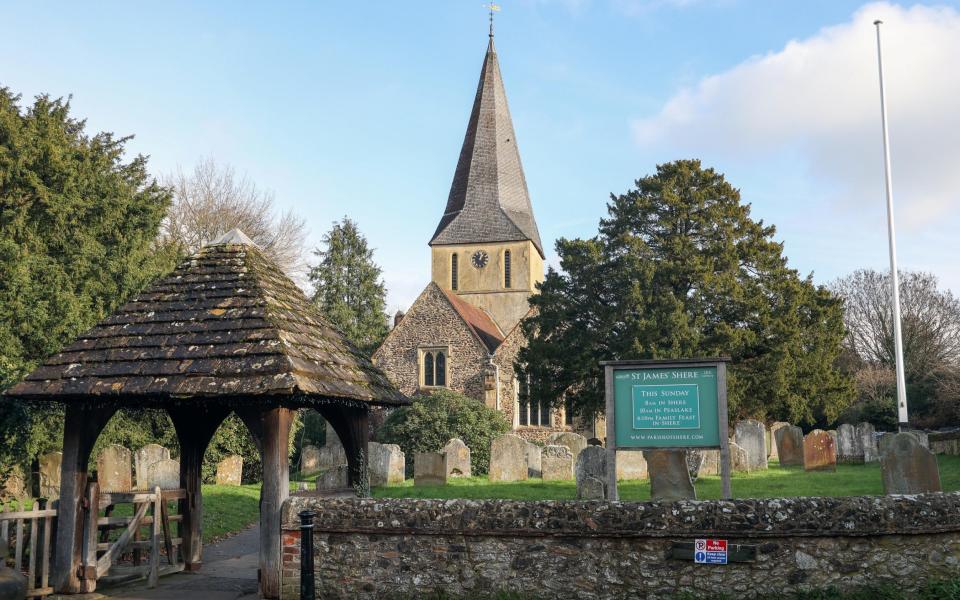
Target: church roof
488	200
482	324
227	323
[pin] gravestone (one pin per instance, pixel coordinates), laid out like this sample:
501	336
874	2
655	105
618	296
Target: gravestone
115	469
590	471
868	439
631	465
751	436
908	467
886	438
508	458
772	439
309	459
385	464
164	473
573	441
230	470
429	468
556	463
709	463
534	460
669	475
458	458
849	445
789	439
12	487
50	474
144	460
334	479
819	451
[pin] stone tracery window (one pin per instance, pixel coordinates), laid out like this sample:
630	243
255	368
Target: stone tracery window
531	413
433	367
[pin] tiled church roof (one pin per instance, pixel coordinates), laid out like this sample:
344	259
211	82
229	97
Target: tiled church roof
479	321
226	323
488	199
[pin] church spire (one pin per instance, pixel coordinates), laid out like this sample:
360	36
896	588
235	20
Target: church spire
488	200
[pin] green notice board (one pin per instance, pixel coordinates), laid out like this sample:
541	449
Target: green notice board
671	407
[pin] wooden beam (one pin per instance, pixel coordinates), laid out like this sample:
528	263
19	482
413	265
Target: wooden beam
353	428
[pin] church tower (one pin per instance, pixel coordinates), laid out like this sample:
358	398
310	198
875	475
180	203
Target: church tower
487	249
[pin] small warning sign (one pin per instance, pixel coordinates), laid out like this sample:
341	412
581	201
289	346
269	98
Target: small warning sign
710	552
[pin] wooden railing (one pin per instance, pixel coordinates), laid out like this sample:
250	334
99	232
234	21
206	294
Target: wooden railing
29	532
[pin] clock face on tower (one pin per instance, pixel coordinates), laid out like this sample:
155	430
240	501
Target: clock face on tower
479	259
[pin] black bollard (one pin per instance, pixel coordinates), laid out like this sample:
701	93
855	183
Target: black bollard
308	588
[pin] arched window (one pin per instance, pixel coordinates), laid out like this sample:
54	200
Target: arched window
441	369
428	369
530	413
506	269
453	272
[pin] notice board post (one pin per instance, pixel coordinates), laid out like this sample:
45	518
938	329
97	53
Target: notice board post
666	405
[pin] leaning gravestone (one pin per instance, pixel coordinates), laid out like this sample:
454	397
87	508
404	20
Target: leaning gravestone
144	460
908	467
849	445
590	471
669	475
429	468
334	479
309	459
751	436
739	460
556	463
819	451
114	469
772	438
230	470
573	441
789	439
385	464
458	458
534	460
50	474
868	439
508	458
631	465
709	463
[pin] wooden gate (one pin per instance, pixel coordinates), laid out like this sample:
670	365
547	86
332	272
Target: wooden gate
29	532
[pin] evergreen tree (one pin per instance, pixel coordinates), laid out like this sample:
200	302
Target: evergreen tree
348	287
78	226
679	269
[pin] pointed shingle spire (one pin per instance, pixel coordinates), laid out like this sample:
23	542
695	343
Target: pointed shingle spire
488	199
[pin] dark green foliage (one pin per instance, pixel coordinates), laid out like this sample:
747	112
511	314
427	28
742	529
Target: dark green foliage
679	269
78	226
233	437
432	420
349	290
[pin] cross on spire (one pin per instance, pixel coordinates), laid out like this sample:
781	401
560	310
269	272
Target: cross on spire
494	7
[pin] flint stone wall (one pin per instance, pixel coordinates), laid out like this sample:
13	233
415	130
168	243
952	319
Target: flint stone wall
374	548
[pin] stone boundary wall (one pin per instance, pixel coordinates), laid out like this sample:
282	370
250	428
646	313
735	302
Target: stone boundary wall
383	548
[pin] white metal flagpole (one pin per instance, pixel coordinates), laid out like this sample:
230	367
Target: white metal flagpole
894	277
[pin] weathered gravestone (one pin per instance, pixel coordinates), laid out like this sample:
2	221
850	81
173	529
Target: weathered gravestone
556	463
13	486
385	464
590	471
115	469
230	470
669	475
165	474
849	445
707	462
573	441
789	439
819	451
50	474
908	467
534	459
429	468
751	436
739	461
334	479
508	458
458	458
333	453
772	439
631	465
144	462
868	439
309	459
886	438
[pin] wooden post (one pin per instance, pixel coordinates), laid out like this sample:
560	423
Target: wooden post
155	539
353	428
81	426
275	425
88	560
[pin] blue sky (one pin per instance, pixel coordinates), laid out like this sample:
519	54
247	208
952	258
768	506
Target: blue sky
343	110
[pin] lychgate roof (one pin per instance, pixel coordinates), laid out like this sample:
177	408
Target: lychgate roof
226	323
488	200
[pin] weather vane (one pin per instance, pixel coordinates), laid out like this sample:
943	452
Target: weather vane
493	7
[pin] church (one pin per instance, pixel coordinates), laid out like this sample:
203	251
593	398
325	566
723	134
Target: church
462	332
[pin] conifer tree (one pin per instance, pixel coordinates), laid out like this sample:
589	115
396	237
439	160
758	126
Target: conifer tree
348	287
679	269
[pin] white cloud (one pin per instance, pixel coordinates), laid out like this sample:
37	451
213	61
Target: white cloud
817	99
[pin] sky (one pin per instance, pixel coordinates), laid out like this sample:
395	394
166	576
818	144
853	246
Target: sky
359	109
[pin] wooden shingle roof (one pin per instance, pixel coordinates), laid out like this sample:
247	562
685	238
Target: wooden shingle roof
226	323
